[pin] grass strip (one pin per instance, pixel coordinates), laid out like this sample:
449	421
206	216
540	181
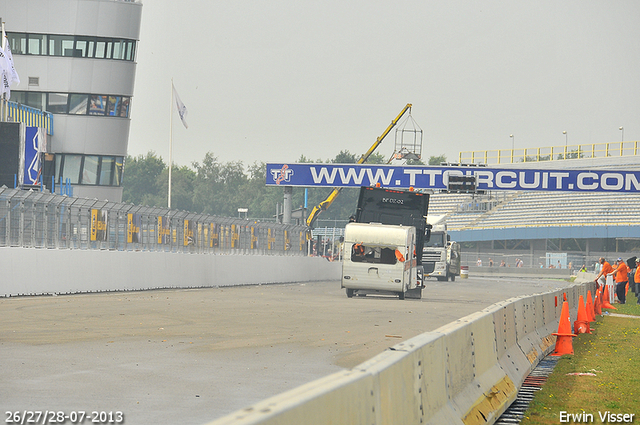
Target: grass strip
612	354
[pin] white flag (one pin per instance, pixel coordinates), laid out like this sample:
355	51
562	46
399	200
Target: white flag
182	110
5	71
13	74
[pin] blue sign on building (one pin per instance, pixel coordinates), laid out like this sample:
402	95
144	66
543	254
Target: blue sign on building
437	178
32	149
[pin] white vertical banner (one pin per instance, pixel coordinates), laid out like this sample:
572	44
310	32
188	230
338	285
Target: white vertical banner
13	74
5	72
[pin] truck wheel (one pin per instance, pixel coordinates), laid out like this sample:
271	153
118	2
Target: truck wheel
441	278
401	295
349	293
453	277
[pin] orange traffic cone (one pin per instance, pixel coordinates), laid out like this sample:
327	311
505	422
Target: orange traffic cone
564	342
597	305
564	297
605	299
590	311
581	326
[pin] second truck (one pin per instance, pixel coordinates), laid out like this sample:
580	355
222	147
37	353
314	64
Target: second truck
440	255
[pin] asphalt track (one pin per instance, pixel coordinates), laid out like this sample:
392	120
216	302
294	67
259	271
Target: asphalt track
190	356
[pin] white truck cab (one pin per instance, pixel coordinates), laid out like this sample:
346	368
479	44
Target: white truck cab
440	255
381	259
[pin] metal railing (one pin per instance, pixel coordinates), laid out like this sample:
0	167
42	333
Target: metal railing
32	117
33	219
551	153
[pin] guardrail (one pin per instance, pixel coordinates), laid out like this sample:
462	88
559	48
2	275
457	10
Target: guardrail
34	219
550	153
467	372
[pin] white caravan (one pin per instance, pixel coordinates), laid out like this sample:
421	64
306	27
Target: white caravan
381	259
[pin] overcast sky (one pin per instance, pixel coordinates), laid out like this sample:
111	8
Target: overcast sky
272	80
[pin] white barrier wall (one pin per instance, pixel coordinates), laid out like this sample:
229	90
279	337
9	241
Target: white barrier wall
465	373
30	271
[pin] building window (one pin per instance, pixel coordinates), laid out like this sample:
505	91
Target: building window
124	109
89	169
18	43
37	44
106	170
78	104
57	103
75	104
72	46
129	56
61	45
33	99
70	168
98	104
85	46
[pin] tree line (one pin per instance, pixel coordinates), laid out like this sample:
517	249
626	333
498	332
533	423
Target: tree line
220	188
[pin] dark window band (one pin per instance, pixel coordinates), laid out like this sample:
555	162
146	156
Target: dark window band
77	46
75	103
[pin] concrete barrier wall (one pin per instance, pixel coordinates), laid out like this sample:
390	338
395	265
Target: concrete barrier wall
465	373
31	271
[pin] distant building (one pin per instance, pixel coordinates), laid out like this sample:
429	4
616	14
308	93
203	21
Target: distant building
77	60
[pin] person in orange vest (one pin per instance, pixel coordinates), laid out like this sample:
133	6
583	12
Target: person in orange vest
605	269
621	275
637	279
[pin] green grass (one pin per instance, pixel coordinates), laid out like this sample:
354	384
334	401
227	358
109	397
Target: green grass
612	352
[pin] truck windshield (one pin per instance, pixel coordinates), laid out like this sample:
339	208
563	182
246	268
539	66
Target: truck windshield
436	240
373	254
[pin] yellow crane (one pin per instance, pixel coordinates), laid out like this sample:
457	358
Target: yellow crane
315	212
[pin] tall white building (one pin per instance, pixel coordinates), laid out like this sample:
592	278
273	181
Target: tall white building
77	60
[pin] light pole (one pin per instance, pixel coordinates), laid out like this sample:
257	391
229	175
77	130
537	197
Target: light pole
622	131
566	137
511	135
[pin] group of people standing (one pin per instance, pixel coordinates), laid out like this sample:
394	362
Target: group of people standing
622	275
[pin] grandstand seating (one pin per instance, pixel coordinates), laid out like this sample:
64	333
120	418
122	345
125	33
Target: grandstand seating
538	209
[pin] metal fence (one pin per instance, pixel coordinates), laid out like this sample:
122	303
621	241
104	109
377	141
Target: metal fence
550	153
34	219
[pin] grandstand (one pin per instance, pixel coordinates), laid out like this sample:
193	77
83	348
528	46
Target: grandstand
530	225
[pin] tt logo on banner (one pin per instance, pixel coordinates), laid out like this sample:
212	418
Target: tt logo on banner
282	175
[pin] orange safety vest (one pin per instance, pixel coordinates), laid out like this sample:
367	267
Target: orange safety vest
622	273
606	269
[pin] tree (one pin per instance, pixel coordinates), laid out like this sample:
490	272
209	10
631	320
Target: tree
376	158
304	160
140	183
344	157
436	160
418	162
216	186
182	182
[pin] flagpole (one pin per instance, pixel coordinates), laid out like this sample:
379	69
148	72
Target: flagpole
3	98
170	143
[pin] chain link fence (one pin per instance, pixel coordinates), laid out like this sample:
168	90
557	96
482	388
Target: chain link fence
32	219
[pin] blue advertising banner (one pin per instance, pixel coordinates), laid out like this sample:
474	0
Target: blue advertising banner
437	178
31	157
